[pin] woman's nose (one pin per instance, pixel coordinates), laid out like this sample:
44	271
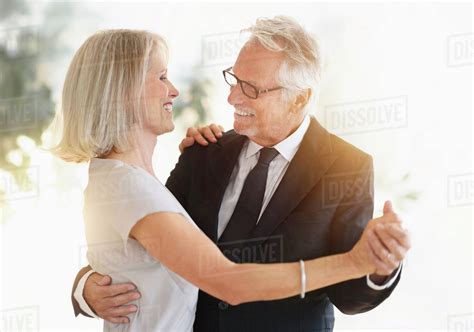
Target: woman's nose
173	92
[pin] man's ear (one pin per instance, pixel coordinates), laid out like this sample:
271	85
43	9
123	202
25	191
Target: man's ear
300	101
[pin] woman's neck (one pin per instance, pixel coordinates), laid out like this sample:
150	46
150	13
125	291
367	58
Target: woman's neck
141	154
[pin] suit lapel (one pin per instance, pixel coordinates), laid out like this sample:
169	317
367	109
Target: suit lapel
308	166
221	160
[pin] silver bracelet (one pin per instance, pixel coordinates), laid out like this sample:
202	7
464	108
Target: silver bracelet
303	279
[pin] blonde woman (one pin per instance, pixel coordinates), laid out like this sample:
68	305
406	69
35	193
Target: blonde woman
117	99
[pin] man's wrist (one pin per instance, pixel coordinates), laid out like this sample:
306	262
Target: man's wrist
79	295
386	283
378	278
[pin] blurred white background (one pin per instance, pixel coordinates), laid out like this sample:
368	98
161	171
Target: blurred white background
408	64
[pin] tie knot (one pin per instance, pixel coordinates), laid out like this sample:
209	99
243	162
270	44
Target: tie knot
267	155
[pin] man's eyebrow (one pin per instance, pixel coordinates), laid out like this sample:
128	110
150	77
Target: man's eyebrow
251	82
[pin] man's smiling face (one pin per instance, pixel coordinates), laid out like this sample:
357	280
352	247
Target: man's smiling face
267	119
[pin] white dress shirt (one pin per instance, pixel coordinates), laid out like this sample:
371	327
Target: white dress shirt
248	158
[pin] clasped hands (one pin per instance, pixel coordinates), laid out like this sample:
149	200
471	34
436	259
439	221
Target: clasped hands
382	246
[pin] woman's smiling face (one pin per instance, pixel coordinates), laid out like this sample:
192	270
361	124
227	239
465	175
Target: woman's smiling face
158	97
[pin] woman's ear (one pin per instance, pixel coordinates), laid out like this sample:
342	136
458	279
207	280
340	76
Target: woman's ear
300	101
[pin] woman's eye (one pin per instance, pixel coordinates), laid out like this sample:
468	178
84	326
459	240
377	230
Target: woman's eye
163	78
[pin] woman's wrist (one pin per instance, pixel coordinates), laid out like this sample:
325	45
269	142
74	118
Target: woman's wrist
354	267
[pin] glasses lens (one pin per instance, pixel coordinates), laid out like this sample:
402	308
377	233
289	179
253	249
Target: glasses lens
230	79
249	90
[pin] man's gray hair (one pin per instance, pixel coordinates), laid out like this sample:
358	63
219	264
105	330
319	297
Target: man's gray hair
301	68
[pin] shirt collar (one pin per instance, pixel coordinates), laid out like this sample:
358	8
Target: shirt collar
288	147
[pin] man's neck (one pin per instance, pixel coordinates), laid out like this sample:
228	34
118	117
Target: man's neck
272	141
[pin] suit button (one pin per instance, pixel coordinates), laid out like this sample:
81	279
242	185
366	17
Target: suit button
223	305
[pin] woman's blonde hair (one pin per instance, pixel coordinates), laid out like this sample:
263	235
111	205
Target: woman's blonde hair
102	93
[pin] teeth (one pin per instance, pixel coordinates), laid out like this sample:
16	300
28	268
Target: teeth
241	113
168	107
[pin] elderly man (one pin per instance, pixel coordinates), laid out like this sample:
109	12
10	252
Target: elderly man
277	188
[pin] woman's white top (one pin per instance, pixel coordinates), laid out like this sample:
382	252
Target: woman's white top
117	196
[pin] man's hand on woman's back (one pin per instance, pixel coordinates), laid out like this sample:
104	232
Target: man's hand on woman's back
108	301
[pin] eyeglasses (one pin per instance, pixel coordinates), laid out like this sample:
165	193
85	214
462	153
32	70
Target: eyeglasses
248	89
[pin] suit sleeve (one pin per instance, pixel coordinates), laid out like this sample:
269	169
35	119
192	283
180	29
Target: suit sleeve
180	177
352	215
75	304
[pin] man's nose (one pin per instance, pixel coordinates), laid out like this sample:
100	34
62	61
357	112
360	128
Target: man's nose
235	95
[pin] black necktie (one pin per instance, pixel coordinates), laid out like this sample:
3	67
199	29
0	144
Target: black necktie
249	205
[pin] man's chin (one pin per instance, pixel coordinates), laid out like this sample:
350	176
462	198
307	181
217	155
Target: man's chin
238	129
244	131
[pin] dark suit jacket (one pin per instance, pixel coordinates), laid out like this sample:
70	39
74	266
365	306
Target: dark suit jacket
320	208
